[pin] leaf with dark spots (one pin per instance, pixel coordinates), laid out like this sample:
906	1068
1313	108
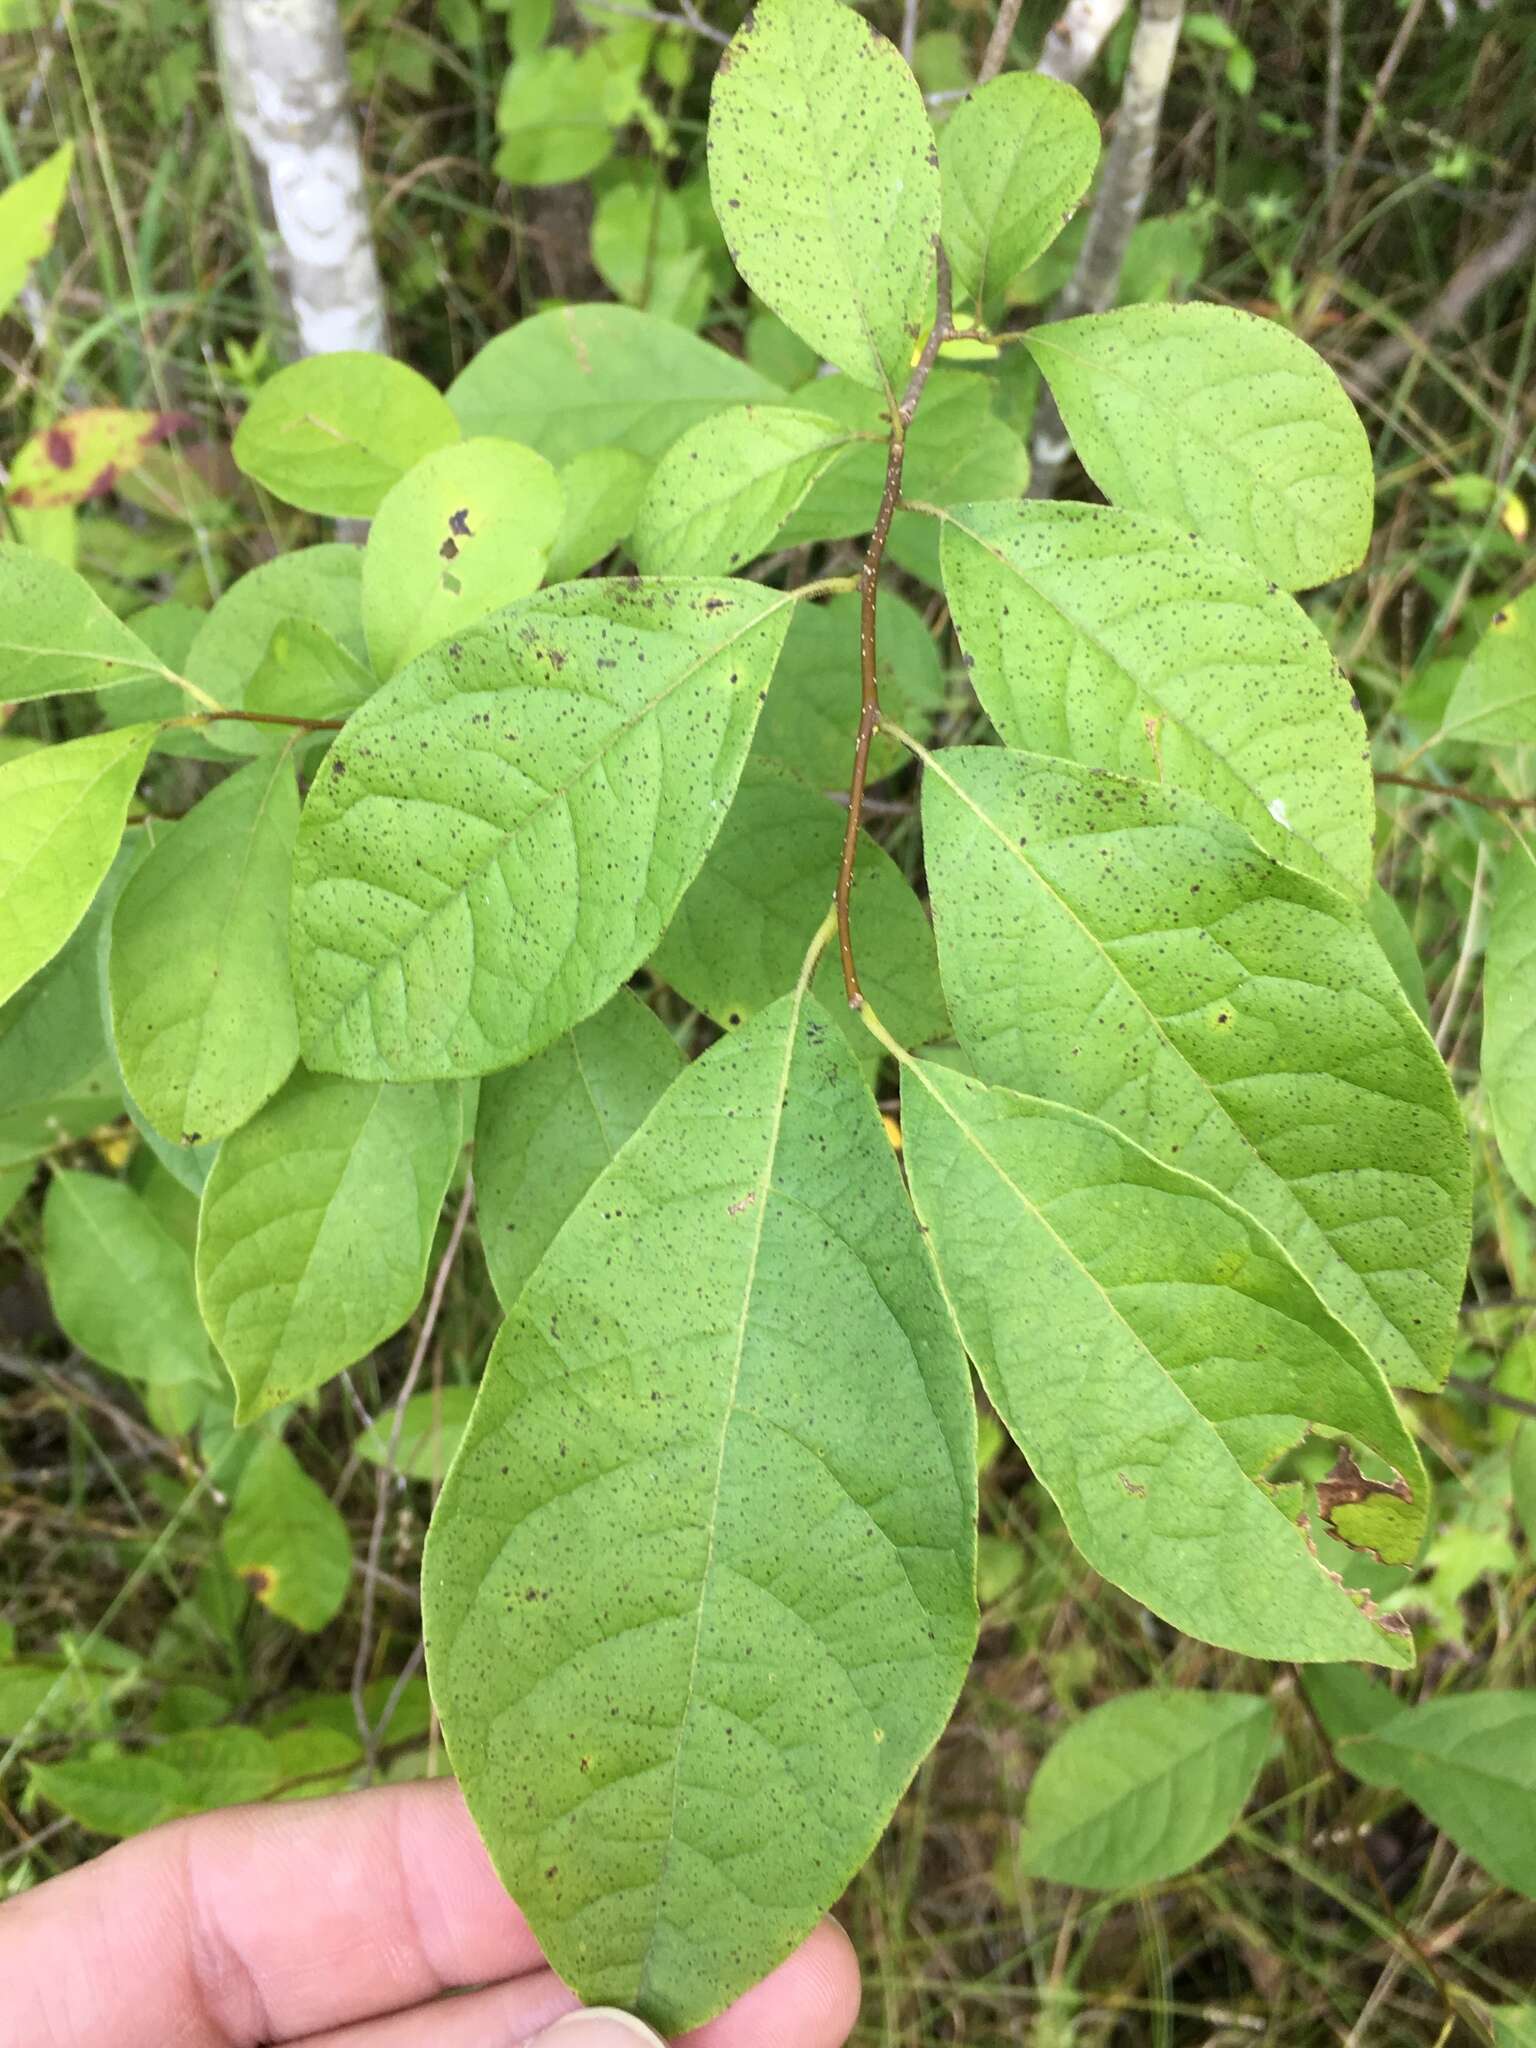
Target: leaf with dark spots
82	456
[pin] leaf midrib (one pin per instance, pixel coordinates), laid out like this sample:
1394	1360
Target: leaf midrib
760	1218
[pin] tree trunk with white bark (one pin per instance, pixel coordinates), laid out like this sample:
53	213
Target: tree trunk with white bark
288	92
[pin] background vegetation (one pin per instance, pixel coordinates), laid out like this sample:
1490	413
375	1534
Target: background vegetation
1336	1913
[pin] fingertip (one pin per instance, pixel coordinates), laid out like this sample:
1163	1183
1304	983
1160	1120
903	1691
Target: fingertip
810	2001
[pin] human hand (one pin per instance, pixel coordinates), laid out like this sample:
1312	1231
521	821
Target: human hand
336	1923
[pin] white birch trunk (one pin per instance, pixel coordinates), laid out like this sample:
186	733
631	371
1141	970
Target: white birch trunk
288	92
1076	37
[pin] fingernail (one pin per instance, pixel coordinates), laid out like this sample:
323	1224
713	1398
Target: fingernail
600	2026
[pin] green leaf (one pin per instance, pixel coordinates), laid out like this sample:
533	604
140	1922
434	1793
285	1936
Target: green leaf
722	491
547	1129
332	433
1348	1701
1522	1476
431	1430
1152	1352
1128	950
825	179
643	251
1144	1787
287	1541
1016	158
321	586
1396	941
677	1765
118	1792
740	934
502	833
202	1003
588	377
52	1036
316	1228
1222	422
559	108
306	673
29	212
1494	701
1468	1761
1509	1015
121	1285
56	635
468	530
601	491
1514	2026
1114	640
958	451
811	718
62	811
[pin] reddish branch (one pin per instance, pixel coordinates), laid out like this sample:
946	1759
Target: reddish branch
869	584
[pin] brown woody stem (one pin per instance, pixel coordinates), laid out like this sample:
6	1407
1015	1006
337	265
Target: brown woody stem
869	585
1458	793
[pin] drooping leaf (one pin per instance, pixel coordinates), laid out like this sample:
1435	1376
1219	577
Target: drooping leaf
321	586
722	491
1396	941
546	1129
1468	1760
62	811
468	530
1223	422
740	934
29	210
431	1429
82	455
811	718
1144	1787
825	179
678	1763
187	1165
1016	158
501	834
1494	701
1112	639
601	490
1152	1352
120	1284
1126	949
56	635
202	1000
1509	1015
52	1037
286	1539
118	1792
333	433
316	1228
586	377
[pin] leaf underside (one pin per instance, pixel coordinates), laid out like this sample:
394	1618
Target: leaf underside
698	1593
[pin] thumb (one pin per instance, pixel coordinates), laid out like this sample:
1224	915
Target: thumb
599	2026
